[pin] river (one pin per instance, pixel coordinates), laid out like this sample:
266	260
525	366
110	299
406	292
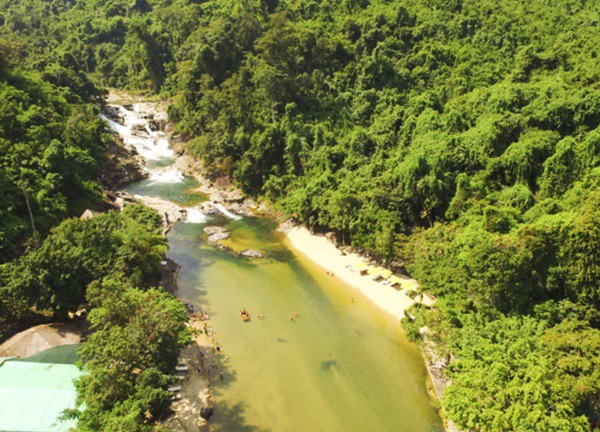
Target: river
339	366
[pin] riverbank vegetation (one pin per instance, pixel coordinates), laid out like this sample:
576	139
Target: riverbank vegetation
52	145
111	265
461	137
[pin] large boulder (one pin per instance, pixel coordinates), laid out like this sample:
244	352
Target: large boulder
213	238
251	253
213	229
215	233
113	113
139	129
207	412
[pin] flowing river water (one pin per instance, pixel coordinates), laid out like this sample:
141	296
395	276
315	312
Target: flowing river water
339	366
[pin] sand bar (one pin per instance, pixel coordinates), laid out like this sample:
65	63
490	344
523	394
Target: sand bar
325	254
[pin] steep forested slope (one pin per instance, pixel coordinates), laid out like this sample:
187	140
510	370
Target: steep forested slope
462	137
51	147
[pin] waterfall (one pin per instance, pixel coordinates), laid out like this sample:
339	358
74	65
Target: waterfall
226	212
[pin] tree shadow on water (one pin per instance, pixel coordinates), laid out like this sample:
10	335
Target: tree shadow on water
232	418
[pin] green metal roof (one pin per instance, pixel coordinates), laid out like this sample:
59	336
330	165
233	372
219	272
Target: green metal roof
33	395
65	354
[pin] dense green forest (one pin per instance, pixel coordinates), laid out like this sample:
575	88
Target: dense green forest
52	144
52	149
459	137
111	264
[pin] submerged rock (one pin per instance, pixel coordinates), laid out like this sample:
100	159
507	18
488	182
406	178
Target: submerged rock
213	229
213	238
207	412
215	233
251	253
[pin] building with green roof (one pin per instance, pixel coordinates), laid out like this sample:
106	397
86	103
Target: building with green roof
33	395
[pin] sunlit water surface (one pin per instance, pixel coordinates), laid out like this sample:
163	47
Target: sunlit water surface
339	366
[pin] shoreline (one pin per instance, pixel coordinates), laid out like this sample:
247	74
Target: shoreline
395	302
192	398
325	254
316	248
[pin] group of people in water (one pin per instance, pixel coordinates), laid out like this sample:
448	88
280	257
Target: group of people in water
214	346
246	315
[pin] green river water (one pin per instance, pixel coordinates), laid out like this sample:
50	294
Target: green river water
340	366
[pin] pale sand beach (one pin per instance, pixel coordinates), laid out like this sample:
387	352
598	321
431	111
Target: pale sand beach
325	254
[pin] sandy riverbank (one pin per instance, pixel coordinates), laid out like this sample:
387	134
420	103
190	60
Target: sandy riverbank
324	253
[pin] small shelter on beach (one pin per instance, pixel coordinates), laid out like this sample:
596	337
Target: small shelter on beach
360	267
377	273
394	280
374	272
385	273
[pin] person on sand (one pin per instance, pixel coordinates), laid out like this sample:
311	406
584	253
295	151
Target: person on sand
352	300
294	316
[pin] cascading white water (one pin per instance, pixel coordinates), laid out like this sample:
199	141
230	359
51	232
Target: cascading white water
134	131
155	148
195	216
226	212
166	176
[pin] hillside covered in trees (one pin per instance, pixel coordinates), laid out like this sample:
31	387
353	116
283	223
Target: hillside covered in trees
461	137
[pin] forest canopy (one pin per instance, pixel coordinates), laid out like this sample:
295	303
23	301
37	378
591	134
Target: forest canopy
460	138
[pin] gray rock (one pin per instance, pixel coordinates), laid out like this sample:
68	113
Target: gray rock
213	238
208	208
215	233
207	412
213	229
139	130
112	112
252	253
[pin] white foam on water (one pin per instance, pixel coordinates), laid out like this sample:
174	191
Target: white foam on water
117	127
166	176
153	134
153	150
150	147
226	212
195	216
